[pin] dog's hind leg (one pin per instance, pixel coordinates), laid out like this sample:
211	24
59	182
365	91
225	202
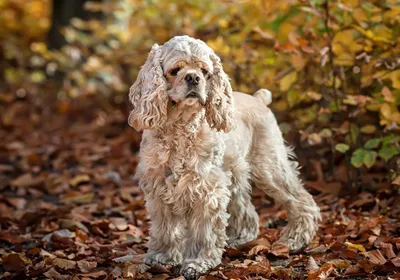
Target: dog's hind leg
277	175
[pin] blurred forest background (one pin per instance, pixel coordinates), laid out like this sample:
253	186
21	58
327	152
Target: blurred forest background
66	66
333	66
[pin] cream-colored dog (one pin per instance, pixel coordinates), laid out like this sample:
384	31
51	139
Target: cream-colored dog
202	147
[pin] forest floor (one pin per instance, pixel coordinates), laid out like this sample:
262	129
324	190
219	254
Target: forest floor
70	209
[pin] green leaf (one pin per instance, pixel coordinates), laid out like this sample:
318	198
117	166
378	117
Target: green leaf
372	143
368	129
391	138
357	159
342	147
370	158
354	133
326	133
388	151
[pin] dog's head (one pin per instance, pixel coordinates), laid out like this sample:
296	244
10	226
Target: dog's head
184	71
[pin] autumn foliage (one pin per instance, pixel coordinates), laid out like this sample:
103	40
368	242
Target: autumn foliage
333	68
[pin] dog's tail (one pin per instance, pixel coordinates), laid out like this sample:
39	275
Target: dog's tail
263	95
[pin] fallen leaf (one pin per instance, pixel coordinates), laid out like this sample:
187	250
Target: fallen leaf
375	257
323	273
359	247
258	248
118	224
77	197
64	263
136	259
27	181
80	179
94	274
339	263
396	261
387	249
162	276
54	274
86	266
311	264
14	262
280	250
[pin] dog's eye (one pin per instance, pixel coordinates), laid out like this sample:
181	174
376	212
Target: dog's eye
174	71
206	73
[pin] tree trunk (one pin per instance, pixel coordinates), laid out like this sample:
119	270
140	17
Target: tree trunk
63	12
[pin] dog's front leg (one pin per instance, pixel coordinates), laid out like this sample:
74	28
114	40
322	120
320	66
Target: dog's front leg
167	232
206	230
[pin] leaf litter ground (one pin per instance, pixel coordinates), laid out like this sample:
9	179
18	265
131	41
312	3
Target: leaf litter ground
70	209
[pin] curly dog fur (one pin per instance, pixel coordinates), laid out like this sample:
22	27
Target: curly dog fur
202	147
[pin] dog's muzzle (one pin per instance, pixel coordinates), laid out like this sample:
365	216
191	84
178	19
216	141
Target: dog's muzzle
197	95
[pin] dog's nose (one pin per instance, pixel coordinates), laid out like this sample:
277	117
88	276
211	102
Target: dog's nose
192	79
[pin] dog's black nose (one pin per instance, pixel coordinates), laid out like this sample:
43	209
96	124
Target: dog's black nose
192	79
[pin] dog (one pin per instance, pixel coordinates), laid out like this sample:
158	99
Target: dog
202	148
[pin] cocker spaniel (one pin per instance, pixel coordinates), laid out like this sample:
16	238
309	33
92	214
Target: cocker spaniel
202	147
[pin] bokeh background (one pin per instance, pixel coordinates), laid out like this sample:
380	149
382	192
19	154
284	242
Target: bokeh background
69	207
333	66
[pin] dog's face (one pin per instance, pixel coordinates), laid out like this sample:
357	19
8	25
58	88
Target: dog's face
186	71
187	79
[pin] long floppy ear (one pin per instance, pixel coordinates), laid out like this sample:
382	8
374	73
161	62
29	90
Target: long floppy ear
148	94
219	105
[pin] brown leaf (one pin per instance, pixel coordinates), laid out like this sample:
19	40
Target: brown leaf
27	181
157	268
54	274
86	266
318	250
77	197
94	274
387	250
258	248
80	179
339	263
249	245
258	269
206	277
323	273
233	252
353	269
162	276
375	257
137	259
14	262
396	261
311	264
118	224
280	250
64	263
396	181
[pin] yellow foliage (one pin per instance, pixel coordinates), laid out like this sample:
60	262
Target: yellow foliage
344	65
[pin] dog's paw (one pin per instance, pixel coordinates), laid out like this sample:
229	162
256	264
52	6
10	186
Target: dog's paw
192	270
162	258
294	244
